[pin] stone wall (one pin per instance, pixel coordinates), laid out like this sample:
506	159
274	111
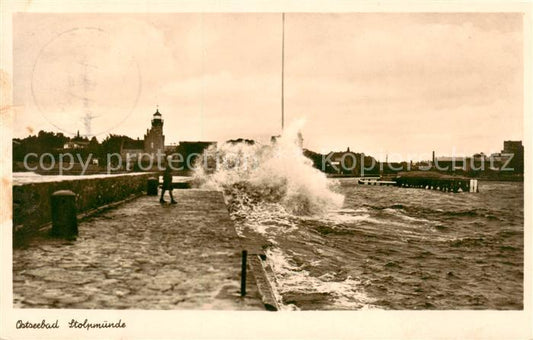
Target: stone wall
31	202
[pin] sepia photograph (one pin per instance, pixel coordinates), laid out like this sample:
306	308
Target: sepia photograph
267	161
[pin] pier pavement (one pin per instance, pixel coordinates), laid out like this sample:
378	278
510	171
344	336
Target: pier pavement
140	255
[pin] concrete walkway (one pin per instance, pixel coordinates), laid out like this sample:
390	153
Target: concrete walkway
140	255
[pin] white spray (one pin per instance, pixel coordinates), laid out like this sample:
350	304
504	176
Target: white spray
270	189
276	173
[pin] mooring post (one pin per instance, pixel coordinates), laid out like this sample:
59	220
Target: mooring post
64	219
473	185
151	186
243	273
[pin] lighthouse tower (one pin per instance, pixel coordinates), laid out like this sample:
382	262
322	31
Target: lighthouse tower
154	140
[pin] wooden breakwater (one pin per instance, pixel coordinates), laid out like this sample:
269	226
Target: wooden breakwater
436	181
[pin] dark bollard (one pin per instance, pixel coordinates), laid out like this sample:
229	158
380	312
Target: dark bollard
151	186
243	273
64	220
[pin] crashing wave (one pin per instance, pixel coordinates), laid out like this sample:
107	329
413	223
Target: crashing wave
279	173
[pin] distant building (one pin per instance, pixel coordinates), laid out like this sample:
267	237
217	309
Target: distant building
349	163
153	143
516	149
511	158
479	162
131	151
73	144
77	142
190	151
454	163
154	140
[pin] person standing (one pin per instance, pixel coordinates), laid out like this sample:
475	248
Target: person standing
167	185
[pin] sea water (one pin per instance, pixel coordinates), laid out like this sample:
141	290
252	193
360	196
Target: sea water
334	244
396	248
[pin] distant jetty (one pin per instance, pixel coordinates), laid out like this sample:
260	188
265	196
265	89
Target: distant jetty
436	181
425	180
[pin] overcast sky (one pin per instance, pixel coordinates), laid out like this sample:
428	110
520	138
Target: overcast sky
378	83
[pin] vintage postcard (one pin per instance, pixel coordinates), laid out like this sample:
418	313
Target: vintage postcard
251	170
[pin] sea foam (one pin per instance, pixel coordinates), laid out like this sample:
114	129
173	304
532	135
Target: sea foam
276	173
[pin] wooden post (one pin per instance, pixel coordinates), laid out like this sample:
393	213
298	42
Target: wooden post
243	273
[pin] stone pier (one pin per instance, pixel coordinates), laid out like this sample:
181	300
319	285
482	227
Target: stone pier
140	255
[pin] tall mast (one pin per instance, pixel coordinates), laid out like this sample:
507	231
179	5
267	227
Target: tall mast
283	72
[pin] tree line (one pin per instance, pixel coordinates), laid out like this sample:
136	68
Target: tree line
54	144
